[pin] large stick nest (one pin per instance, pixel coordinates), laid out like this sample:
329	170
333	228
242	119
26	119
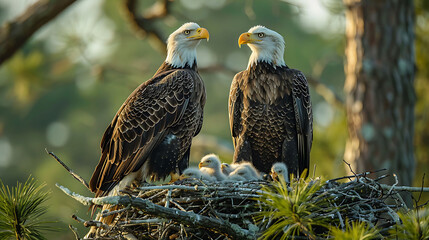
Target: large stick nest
194	209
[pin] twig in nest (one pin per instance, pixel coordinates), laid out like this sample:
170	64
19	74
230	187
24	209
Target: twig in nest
108	213
95	223
178	205
405	188
168	199
78	218
75	175
394	185
74	230
350	167
382	177
357	175
141	221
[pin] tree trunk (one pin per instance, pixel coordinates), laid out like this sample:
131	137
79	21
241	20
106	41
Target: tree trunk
380	97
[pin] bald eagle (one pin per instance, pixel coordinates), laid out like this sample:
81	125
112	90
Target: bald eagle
270	111
150	136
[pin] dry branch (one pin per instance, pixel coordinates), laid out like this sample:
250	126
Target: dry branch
405	188
74	230
75	175
15	33
144	24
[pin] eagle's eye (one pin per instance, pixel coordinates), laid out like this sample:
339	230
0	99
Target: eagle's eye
261	35
280	171
187	32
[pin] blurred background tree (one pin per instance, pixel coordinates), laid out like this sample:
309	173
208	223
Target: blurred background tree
379	86
63	86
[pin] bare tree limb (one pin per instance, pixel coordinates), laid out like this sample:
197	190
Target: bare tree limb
144	24
75	175
78	219
15	33
405	188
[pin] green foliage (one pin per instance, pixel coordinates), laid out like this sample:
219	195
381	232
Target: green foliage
307	208
295	210
356	230
415	225
21	211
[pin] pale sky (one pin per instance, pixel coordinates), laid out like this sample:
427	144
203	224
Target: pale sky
315	17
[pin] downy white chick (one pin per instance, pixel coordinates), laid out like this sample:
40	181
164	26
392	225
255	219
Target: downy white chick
193	172
244	172
228	168
211	165
279	170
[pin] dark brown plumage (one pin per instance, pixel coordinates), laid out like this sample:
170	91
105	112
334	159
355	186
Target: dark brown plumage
151	134
269	107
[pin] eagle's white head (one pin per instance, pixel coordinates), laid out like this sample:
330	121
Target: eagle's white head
182	44
266	45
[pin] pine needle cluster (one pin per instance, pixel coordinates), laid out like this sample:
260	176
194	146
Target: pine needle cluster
295	210
355	230
415	225
21	211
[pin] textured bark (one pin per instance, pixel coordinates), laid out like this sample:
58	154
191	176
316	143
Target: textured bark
14	34
380	69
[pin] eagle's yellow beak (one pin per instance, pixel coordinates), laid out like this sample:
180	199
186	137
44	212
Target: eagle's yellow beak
246	38
200	33
202	164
